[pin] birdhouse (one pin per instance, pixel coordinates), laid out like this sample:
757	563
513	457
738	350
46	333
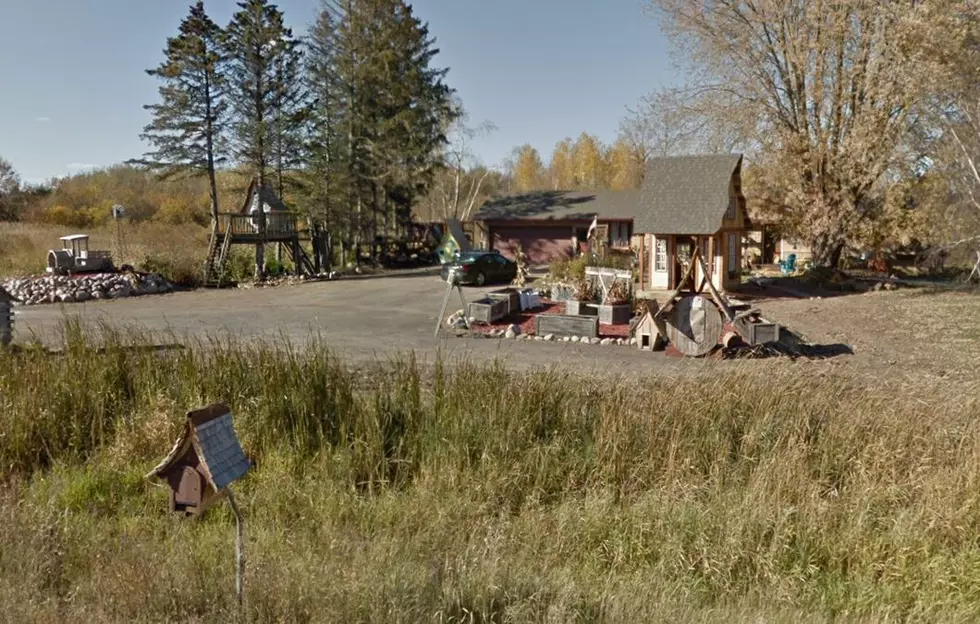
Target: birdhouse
6	317
205	459
648	335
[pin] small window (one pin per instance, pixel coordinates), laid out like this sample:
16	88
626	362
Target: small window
730	213
660	261
733	254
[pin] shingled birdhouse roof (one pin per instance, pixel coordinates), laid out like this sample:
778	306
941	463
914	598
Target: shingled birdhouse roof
211	435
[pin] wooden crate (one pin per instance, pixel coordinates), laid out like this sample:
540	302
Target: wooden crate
574	307
566	325
488	310
757	332
618	314
511	295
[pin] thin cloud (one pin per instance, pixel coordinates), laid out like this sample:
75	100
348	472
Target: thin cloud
42	119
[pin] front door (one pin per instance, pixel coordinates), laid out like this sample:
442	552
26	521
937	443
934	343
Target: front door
683	252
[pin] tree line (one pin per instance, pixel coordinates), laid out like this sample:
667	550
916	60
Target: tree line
350	120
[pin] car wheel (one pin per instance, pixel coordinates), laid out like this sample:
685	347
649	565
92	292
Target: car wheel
481	278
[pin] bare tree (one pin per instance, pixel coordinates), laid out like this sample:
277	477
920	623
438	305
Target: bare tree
662	125
458	185
823	92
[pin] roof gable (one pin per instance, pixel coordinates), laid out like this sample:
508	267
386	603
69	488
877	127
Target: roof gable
561	206
686	194
270	202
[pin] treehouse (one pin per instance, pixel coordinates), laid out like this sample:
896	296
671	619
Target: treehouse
262	219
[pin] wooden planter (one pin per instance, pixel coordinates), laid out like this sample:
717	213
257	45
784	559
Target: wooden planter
566	325
614	314
488	310
511	295
574	307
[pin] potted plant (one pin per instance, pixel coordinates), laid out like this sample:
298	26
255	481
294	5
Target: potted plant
616	309
581	296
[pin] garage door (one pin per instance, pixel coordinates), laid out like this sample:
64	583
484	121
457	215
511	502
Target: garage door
541	244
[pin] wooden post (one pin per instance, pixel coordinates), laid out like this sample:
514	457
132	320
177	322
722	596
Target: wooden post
239	551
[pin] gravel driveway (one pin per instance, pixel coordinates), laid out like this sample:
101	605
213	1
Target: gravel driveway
361	319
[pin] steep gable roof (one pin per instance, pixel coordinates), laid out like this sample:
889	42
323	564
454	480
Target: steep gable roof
270	202
686	194
561	206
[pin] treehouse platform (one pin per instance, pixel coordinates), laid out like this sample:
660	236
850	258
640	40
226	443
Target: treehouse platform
256	229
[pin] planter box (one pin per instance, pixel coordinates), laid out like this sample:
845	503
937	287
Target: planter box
614	314
488	310
760	332
566	325
511	295
574	307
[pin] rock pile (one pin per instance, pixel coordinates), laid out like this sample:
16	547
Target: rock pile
57	288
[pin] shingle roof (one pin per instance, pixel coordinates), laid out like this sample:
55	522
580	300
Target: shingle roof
561	205
685	194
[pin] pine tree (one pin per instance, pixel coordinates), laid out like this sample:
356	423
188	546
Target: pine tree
382	105
262	54
188	123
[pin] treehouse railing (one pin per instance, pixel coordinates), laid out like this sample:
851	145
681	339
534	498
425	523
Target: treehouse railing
276	224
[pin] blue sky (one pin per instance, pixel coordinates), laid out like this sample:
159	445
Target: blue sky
74	83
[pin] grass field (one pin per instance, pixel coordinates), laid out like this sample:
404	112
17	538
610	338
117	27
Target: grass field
463	493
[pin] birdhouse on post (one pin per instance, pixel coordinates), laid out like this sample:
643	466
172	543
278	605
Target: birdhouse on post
6	317
205	460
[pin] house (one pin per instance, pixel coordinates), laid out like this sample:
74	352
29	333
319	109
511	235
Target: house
555	224
764	245
688	201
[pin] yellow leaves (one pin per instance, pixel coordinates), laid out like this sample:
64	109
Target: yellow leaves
528	169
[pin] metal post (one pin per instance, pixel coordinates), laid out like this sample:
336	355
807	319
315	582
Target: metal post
239	549
453	284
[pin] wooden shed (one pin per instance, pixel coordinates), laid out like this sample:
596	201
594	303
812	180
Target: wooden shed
205	459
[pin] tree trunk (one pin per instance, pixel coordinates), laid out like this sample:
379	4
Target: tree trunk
827	251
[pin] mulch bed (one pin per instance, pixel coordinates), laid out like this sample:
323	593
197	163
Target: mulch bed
525	320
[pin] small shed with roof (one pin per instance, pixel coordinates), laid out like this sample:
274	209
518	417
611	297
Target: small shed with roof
687	202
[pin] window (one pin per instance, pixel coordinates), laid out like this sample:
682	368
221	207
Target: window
660	257
733	253
730	213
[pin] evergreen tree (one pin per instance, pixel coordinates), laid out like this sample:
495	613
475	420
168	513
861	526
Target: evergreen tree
382	105
188	123
263	55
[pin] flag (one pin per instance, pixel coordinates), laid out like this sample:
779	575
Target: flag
592	228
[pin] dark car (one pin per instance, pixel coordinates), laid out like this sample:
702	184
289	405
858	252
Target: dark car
481	267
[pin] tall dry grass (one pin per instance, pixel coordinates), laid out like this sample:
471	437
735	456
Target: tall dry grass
463	493
177	250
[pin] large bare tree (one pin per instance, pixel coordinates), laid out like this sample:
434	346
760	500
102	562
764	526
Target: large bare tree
823	92
458	185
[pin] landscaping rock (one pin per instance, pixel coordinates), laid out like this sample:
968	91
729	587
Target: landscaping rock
632	342
510	333
65	289
514	328
606	341
566	339
575	338
549	337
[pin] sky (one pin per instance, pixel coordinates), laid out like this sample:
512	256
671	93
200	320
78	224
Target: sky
74	83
